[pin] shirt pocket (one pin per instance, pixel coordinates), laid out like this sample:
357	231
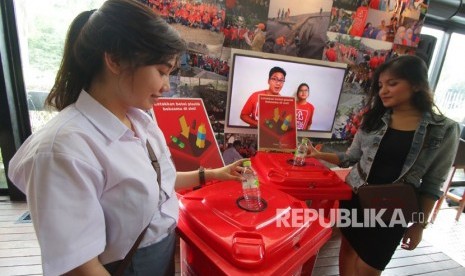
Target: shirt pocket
433	142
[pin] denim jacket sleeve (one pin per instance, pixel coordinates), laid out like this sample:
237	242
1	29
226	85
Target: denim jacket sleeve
436	170
353	153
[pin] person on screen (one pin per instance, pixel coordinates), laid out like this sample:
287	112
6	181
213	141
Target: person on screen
403	138
100	174
231	154
276	79
303	109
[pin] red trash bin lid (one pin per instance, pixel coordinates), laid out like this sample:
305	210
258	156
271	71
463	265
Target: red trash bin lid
311	181
246	239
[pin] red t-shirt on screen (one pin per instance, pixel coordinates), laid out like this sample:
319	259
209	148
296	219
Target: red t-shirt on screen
304	115
251	106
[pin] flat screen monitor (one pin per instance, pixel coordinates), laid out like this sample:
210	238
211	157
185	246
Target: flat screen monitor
249	73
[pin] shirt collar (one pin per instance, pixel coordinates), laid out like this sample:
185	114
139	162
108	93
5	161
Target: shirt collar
427	118
433	118
105	121
141	121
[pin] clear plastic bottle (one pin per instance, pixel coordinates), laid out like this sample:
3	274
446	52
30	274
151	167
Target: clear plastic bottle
301	153
251	188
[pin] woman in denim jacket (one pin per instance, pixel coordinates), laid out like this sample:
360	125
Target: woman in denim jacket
403	138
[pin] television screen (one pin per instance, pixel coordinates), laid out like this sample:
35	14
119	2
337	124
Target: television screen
253	72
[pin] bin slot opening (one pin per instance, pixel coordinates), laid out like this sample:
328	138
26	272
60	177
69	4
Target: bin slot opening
242	203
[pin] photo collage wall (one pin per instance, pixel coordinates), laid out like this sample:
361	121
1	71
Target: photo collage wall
361	33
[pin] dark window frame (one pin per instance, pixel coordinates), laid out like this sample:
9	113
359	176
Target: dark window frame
15	126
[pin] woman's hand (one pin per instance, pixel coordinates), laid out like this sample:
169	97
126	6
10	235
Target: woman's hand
230	172
412	236
314	151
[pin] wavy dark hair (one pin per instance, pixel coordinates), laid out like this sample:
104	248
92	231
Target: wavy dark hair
125	29
410	68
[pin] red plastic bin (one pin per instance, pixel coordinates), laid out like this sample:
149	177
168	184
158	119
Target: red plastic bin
220	238
313	181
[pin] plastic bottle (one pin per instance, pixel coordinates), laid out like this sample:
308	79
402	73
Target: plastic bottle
301	153
251	188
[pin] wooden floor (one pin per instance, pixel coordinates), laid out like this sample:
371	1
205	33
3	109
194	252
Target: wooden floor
424	260
20	254
19	250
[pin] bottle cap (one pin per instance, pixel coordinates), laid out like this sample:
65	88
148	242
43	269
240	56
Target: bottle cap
247	163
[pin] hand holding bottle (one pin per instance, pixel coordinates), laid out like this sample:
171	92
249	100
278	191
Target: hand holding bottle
230	172
314	151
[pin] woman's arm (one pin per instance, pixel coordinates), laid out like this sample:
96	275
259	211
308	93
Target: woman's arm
342	159
414	233
191	179
426	204
326	156
438	172
430	187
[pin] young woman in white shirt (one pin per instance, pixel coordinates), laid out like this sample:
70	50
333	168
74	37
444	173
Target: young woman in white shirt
90	185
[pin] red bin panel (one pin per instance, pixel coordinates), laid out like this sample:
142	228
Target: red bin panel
219	238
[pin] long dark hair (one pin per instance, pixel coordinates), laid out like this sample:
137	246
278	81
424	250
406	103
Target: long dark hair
125	29
410	68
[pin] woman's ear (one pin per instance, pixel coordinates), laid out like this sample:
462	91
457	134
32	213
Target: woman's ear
112	63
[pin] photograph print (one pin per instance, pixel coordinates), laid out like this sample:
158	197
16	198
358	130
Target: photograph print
297	28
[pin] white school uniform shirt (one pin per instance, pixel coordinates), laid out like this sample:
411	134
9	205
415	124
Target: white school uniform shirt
90	185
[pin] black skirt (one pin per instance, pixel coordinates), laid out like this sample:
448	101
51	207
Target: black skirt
374	245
